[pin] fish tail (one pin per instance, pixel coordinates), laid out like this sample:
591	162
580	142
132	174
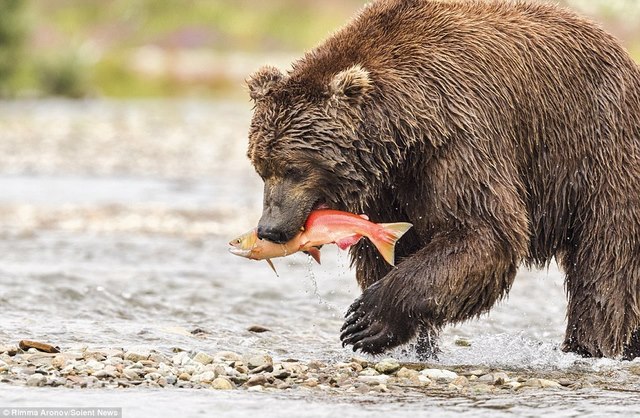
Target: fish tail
385	240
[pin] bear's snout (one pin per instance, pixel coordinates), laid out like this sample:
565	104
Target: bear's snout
272	234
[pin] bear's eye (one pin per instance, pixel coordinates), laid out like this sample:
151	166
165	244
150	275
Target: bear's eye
294	174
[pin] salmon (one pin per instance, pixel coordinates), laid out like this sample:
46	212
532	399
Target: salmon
324	226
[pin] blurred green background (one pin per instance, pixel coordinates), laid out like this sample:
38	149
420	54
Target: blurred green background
157	48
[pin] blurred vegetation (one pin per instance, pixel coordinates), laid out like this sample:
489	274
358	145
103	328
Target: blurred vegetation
147	48
13	34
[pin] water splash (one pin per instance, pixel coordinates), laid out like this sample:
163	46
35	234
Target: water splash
316	292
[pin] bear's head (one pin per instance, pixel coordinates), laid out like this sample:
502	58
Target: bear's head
305	145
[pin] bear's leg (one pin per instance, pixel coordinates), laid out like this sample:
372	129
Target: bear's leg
603	315
427	344
459	274
632	349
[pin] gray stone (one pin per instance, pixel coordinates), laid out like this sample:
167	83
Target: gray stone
181	358
436	374
259	361
545	384
36	379
374	380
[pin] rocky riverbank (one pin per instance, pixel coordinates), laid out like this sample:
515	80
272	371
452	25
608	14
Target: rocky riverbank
226	370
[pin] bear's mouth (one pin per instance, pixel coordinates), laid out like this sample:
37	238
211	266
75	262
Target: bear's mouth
319	205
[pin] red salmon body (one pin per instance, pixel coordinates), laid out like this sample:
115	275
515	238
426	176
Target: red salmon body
345	229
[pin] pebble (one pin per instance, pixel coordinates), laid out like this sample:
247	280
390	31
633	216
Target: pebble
137	355
373	380
222	383
203	358
387	366
227	370
436	374
181	358
36	379
130	373
407	373
260	361
258	379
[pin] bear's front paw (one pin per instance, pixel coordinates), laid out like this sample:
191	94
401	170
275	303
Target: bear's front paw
372	326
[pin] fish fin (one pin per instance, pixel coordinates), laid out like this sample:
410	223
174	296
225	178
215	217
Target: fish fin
347	242
272	266
385	241
315	253
363	216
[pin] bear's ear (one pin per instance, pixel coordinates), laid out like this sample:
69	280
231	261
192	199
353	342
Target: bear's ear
264	81
353	83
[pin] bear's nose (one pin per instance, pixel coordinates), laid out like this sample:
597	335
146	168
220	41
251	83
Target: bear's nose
272	234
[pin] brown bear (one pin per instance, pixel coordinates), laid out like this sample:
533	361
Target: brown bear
508	133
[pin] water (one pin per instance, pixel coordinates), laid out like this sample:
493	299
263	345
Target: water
114	219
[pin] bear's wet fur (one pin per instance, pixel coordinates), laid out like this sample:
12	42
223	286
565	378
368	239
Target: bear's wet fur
506	132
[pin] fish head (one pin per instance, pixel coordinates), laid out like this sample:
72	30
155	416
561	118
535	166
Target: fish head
244	244
304	143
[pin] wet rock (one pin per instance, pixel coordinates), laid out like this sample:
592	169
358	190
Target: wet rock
239	379
280	373
369	372
545	384
258	329
227	356
481	388
206	377
424	380
374	380
407	373
496	379
258	379
58	362
437	374
361	361
460	381
513	385
44	347
158	358
203	358
11	350
387	366
36	379
462	342
136	355
316	365
259	361
294	368
180	359
500	378
130	373
222	383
